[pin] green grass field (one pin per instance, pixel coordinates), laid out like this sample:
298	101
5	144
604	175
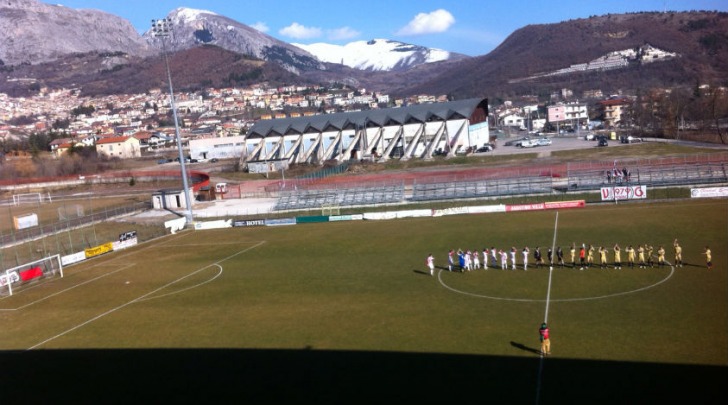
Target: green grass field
345	312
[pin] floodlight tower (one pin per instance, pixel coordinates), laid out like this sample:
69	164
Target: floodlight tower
161	29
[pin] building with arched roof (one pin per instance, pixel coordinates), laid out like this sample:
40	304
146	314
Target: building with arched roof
416	131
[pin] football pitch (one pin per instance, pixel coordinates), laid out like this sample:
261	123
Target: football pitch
347	312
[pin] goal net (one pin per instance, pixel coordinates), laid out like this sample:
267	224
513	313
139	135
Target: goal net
71	212
28	273
31	198
331	209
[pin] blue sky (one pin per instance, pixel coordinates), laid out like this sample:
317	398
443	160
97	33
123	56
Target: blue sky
472	27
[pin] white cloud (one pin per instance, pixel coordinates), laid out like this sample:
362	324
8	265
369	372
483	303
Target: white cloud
342	33
299	31
428	23
261	26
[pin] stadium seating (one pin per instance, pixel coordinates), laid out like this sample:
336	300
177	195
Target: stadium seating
342	197
482	188
654	176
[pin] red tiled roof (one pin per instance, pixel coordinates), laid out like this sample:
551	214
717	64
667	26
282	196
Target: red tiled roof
616	101
113	139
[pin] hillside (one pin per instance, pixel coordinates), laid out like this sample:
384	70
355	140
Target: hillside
100	73
700	38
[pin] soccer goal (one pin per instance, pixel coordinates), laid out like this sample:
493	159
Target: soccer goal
31	198
71	212
12	279
331	209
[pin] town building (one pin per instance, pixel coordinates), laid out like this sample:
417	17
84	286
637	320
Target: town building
615	111
573	115
122	147
217	148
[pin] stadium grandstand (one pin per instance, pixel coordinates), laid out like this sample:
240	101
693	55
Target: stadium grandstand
415	131
709	169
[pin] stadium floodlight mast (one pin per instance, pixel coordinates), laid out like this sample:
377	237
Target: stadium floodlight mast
161	29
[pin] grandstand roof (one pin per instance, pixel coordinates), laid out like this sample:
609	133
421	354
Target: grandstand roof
417	113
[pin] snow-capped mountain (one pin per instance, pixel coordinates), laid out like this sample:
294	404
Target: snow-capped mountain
191	28
378	54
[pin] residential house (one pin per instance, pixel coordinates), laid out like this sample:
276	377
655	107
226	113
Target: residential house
61	148
568	114
614	111
515	120
56	143
122	147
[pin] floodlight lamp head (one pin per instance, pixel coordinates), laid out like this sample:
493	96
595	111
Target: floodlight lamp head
162	27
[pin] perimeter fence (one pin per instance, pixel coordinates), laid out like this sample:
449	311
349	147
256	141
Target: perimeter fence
15	236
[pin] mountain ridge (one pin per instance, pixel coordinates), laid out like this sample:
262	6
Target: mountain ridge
378	54
700	38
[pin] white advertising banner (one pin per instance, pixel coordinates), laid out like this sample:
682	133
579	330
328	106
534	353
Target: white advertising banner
380	215
222	223
125	244
73	258
709	192
487	209
450	211
414	213
624	193
175	225
356	217
25	221
9	277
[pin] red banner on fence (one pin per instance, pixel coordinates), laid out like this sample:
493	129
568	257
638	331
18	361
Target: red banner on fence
525	207
565	204
31	273
546	206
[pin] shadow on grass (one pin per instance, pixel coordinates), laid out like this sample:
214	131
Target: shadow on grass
525	348
336	377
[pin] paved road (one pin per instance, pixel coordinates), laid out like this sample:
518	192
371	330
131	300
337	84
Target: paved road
558	143
574	143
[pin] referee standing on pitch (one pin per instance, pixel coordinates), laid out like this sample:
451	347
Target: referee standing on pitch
543	333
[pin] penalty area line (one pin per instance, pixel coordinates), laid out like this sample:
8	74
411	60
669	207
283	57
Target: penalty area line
68	289
140	298
219	273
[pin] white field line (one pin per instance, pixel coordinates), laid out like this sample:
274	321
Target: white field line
68	289
71	274
142	297
219	273
106	263
672	271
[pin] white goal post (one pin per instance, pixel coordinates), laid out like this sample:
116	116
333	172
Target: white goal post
330	209
30	272
73	211
31	198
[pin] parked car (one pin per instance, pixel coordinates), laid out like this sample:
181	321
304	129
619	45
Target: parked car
528	143
543	142
629	139
633	139
589	137
516	142
485	148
